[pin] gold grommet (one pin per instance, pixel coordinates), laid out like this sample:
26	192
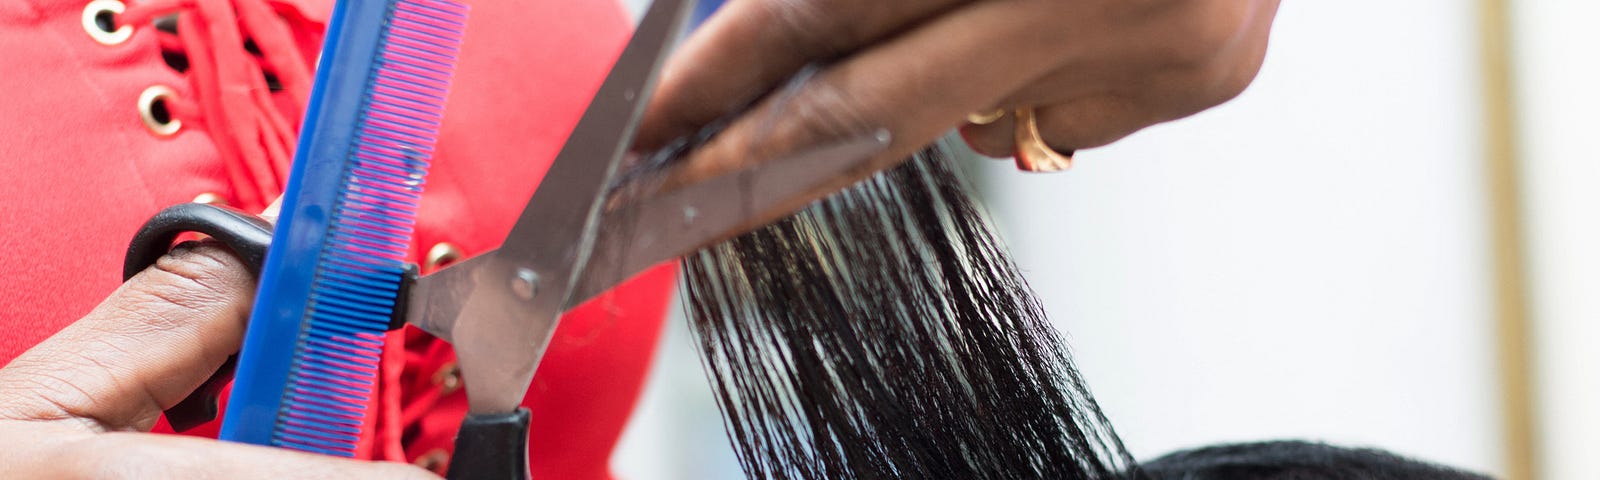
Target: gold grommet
1032	154
99	21
441	255
155	113
985	118
434	461
448	378
210	198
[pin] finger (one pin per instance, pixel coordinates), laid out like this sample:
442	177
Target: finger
917	86
1091	122
993	139
1175	61
1095	119
146	456
1170	93
1084	123
1189	49
751	46
150	344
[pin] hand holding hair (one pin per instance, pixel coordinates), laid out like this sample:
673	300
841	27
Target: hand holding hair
884	332
1090	71
78	404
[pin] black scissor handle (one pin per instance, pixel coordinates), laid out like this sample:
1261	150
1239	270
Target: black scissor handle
487	446
492	447
247	235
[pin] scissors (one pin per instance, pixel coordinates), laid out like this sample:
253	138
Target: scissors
585	229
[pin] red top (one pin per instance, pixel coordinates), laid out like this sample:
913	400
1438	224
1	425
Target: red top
83	172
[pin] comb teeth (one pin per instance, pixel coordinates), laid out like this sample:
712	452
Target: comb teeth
362	264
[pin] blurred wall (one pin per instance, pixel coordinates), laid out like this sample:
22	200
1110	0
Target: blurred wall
1307	261
1558	72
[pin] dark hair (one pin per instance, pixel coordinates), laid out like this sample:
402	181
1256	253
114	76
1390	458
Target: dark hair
1295	460
885	333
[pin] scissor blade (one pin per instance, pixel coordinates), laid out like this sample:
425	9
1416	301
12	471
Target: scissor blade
656	228
505	323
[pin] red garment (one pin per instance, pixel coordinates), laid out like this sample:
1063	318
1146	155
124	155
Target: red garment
83	172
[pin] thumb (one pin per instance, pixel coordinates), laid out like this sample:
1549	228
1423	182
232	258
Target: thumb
146	456
150	344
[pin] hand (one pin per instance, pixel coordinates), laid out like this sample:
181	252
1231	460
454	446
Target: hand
1093	70
75	406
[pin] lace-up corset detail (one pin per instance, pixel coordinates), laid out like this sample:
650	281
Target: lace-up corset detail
249	77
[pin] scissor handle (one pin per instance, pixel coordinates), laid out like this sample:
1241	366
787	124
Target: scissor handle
247	235
492	447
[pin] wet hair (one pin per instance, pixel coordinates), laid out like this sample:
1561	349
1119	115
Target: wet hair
885	333
1294	460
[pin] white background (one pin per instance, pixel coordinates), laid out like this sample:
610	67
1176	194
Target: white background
1558	59
1307	261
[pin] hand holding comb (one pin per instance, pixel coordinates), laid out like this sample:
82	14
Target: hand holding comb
335	277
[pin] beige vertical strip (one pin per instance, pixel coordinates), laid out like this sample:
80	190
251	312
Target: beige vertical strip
1512	319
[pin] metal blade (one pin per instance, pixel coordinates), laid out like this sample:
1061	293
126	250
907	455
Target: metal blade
656	228
650	230
436	300
504	325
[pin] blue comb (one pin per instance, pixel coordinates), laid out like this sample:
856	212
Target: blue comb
338	256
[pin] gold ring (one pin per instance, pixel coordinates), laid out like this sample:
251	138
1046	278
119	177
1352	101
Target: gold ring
985	118
1032	154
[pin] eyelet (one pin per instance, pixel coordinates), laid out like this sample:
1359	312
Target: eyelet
441	255
211	198
99	18
435	461
448	378
155	113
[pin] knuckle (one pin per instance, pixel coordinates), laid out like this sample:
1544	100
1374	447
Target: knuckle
49	394
810	29
1202	31
191	277
69	386
1235	81
199	262
1241	73
1212	52
827	110
1222	81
